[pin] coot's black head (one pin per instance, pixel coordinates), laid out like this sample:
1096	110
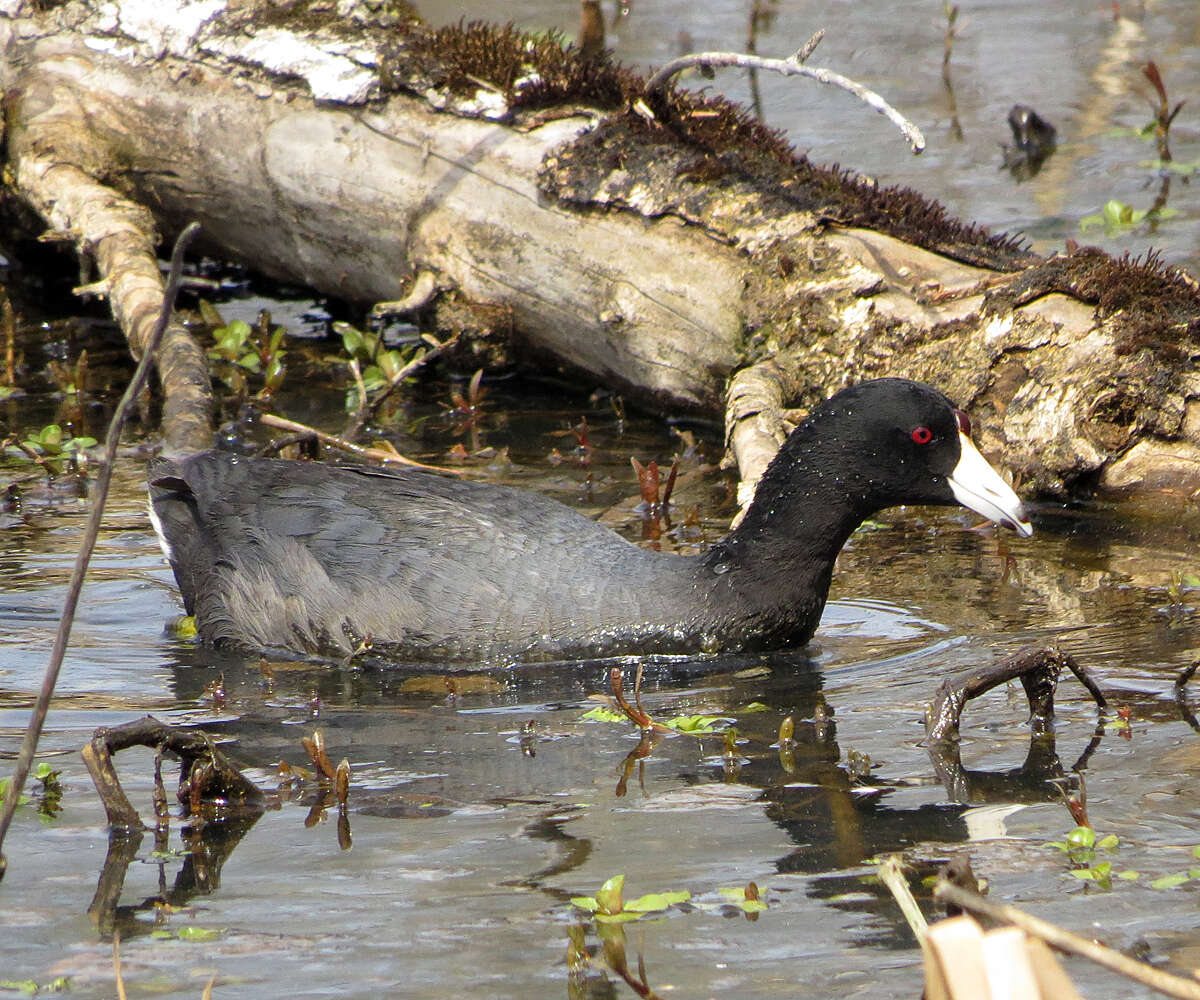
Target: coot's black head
892	441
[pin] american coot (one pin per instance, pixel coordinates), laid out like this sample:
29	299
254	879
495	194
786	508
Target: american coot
314	558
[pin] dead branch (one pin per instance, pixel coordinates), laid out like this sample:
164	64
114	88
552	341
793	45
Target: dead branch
1037	668
377	454
791	66
206	776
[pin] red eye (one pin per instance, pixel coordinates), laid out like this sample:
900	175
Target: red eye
922	435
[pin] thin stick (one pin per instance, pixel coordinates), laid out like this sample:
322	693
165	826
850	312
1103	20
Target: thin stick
120	979
890	874
1064	940
99	496
378	454
789	67
9	322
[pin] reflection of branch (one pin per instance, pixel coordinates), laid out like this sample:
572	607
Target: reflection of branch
1064	940
788	67
1181	683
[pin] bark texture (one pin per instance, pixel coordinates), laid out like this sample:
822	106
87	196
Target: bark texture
669	246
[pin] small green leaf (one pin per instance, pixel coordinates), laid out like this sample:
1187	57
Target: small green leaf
1169	881
655	901
696	725
1196	851
1083	873
189	932
608	899
618	918
1108	843
1062	845
19	985
585	903
602	714
754	706
1129	875
1102	870
1081	836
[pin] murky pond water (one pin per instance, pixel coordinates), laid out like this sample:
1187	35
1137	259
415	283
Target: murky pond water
475	817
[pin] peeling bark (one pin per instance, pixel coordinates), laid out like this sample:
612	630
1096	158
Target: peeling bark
673	253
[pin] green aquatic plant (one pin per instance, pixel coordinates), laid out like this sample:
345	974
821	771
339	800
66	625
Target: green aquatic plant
608	906
51	447
1116	217
239	347
31	988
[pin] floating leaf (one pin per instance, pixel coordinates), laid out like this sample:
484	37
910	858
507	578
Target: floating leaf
1170	881
1108	843
190	933
655	901
696	725
754	706
1129	875
602	714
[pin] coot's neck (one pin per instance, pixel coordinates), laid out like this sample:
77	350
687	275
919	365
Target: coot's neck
777	565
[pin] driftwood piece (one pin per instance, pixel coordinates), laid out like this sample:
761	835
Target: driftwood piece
657	242
206	778
1066	941
1037	668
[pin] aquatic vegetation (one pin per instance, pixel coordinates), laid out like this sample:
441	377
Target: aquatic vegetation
31	988
48	793
609	905
240	348
1117	217
51	448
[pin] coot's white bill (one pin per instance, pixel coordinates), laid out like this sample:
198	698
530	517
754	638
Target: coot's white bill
977	485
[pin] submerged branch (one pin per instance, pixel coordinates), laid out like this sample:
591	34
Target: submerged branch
1037	669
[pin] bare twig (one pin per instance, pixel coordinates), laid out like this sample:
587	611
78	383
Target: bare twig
789	67
378	454
1064	940
9	323
120	979
892	876
98	497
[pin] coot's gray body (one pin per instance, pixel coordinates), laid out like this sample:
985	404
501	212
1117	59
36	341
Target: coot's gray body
315	558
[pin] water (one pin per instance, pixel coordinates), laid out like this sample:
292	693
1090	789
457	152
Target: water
468	840
470	836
